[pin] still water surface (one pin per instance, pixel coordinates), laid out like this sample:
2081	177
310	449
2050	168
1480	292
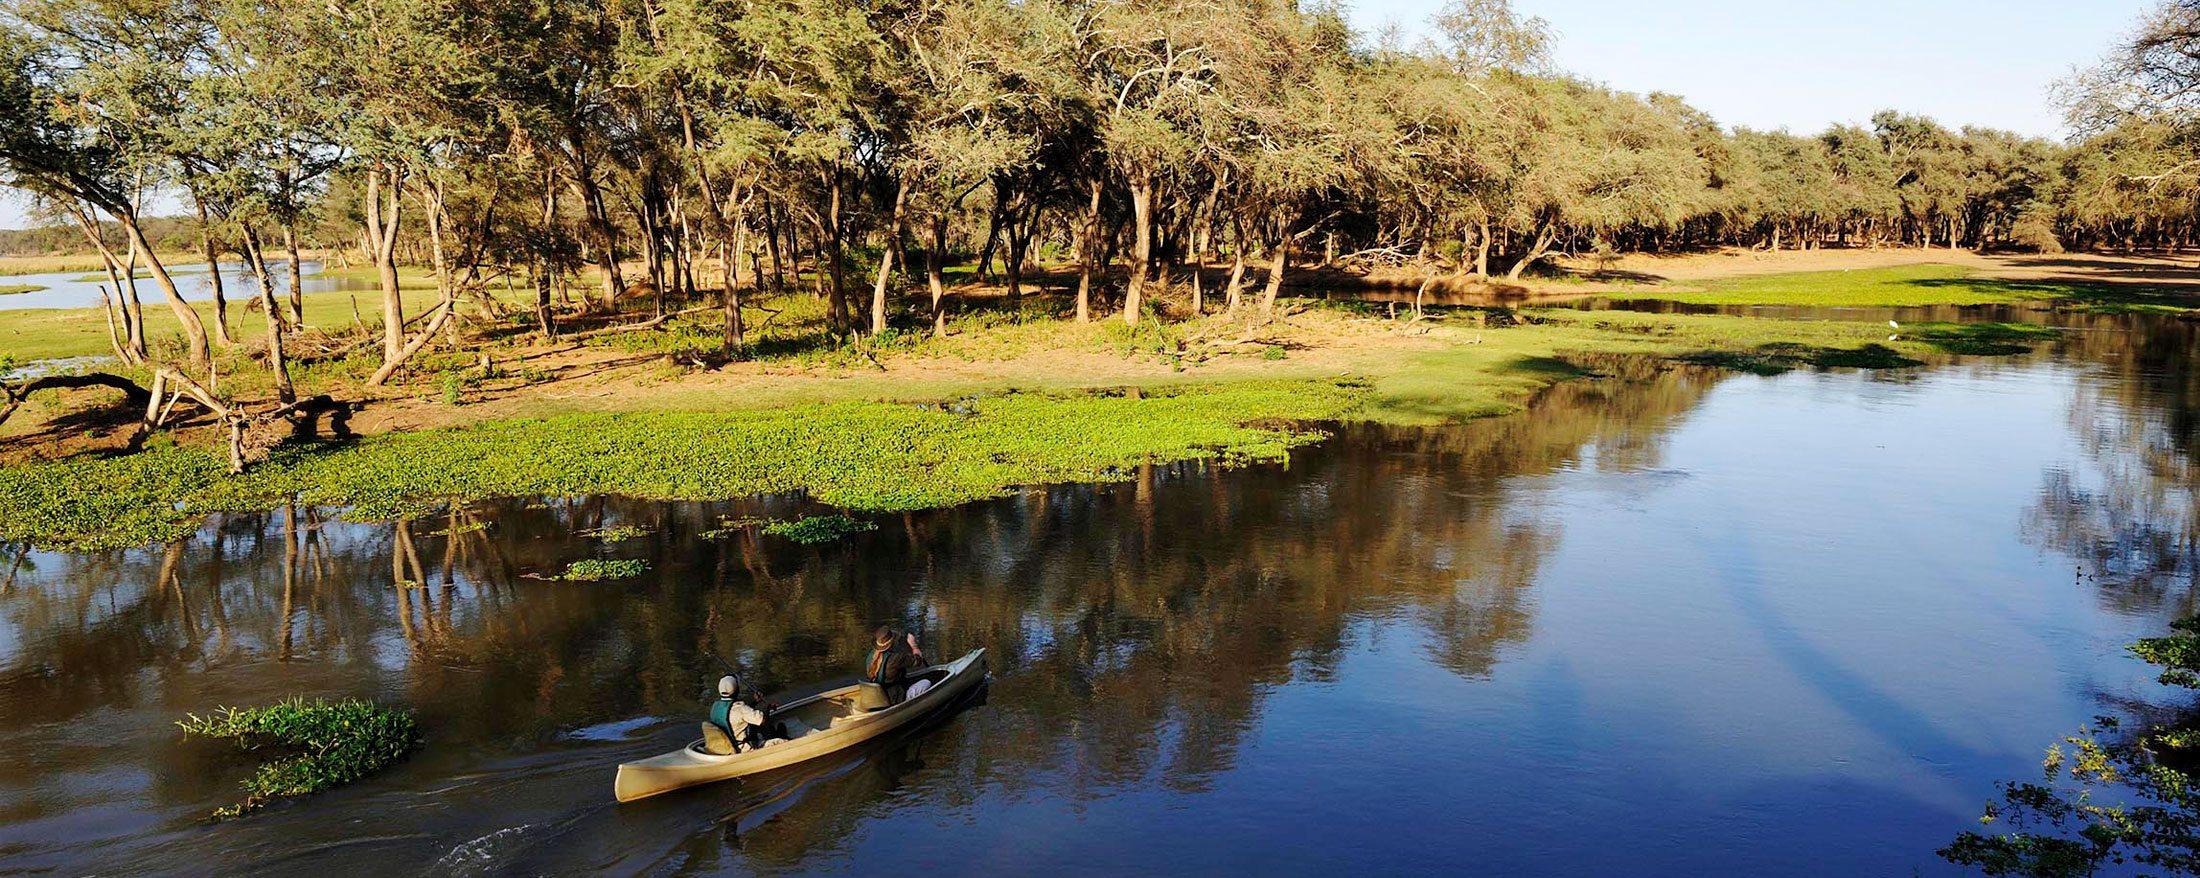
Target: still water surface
78	289
1669	621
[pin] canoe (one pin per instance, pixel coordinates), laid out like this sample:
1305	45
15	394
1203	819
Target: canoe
824	723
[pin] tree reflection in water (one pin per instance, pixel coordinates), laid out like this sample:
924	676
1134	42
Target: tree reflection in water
1136	628
2132	519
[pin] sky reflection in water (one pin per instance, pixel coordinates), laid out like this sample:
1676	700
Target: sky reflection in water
1668	621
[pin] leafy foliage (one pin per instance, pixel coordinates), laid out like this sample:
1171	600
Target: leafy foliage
600	569
2109	796
328	744
813	529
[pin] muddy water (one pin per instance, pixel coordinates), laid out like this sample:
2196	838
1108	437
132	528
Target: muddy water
1668	621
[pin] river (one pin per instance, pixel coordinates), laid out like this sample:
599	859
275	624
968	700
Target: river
79	289
1667	621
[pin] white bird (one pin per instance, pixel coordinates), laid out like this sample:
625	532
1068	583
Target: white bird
1894	324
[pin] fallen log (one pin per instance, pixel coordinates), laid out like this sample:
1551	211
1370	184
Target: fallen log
19	392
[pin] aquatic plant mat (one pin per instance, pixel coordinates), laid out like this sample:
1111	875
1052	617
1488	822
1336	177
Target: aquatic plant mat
329	744
861	456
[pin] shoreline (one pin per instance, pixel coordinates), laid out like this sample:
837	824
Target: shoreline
1077	402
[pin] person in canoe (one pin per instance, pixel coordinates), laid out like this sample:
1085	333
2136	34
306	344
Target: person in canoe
894	658
740	716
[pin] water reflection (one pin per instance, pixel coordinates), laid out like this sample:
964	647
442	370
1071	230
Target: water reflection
2129	514
1694	615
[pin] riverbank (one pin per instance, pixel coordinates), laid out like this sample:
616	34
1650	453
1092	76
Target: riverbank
900	422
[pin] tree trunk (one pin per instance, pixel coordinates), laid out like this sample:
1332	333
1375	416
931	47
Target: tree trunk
297	276
1277	262
1482	249
886	262
992	230
934	276
194	331
1142	252
256	258
1541	246
838	301
214	277
1088	234
383	222
1233	292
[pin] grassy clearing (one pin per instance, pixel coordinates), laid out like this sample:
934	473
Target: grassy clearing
1911	285
863	456
328	744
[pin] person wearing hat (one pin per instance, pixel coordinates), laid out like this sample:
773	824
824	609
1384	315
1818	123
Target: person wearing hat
742	723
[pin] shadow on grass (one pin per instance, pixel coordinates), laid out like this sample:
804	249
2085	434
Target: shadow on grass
1980	339
2098	296
1773	359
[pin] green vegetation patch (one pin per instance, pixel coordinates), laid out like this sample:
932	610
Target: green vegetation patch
1773	359
862	456
617	533
814	529
12	289
1912	285
2108	795
600	569
1986	339
327	744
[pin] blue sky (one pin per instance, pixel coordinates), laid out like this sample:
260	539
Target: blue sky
1775	64
1801	66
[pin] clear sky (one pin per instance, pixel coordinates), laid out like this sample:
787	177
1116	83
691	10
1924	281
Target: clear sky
1801	65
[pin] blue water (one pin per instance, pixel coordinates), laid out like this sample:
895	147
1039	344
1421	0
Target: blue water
1667	622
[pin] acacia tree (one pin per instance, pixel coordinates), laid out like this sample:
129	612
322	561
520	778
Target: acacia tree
88	94
1148	70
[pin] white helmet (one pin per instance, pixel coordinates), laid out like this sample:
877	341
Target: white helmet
727	685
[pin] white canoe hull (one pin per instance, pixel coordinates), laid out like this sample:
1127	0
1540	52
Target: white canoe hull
836	725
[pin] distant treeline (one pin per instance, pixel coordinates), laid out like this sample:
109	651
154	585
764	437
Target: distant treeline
169	234
730	146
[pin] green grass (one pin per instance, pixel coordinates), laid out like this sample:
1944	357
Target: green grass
12	289
1909	285
326	744
863	456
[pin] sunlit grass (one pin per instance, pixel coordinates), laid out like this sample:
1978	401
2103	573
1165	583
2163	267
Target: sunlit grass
863	456
1906	286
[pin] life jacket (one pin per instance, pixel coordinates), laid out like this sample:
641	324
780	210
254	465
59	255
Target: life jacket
721	715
